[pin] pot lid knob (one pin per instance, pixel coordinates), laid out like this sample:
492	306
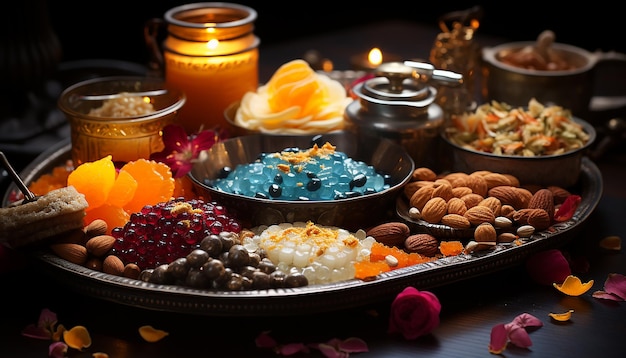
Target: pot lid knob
426	72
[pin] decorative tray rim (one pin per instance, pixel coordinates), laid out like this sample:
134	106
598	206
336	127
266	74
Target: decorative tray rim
312	298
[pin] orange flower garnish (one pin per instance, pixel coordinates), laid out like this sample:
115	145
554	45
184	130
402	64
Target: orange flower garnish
561	317
151	334
78	338
613	243
572	286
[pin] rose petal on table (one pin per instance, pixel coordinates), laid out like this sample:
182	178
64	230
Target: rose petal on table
353	345
527	320
616	284
518	336
547	267
561	317
264	340
606	296
57	350
293	348
499	339
572	286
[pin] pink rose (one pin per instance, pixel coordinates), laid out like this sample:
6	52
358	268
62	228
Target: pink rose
414	313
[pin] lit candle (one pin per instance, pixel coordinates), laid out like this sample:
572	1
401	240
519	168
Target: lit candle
211	54
371	60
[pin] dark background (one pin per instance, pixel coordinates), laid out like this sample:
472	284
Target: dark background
114	29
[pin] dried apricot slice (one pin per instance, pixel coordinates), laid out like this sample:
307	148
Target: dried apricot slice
155	183
113	215
450	248
123	189
94	180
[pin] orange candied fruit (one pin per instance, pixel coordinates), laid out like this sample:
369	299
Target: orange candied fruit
54	180
155	183
377	264
450	248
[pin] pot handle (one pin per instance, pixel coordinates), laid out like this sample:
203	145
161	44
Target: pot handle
610	65
151	32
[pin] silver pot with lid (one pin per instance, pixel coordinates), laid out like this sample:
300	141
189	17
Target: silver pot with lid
399	104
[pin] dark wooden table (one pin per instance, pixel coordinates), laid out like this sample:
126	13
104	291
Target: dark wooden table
470	308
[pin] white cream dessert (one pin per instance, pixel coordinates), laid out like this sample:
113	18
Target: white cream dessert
296	100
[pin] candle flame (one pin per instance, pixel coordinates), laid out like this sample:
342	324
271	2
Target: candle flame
375	56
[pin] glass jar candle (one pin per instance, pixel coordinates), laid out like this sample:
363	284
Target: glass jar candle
211	54
119	116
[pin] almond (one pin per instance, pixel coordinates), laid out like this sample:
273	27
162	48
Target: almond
421	196
507	237
411	187
113	265
472	199
460	191
496	179
492	203
456	206
95	228
423	174
477	183
559	194
390	234
512	179
423	244
508	195
74	253
480	214
456	179
539	219
434	210
442	190
485	232
543	199
456	221
100	245
131	270
507	211
524	195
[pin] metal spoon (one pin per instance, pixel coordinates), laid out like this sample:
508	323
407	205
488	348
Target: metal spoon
104	97
28	195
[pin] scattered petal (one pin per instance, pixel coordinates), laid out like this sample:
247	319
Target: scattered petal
57	350
37	332
616	284
78	337
353	345
613	243
561	317
330	351
606	296
572	286
56	336
568	208
547	267
264	340
292	348
100	355
151	334
518	335
47	319
527	320
499	339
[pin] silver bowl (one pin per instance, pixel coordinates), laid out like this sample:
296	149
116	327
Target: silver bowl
352	213
547	170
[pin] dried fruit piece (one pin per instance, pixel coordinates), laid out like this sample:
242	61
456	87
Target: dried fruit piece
450	248
611	243
78	337
151	334
561	317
